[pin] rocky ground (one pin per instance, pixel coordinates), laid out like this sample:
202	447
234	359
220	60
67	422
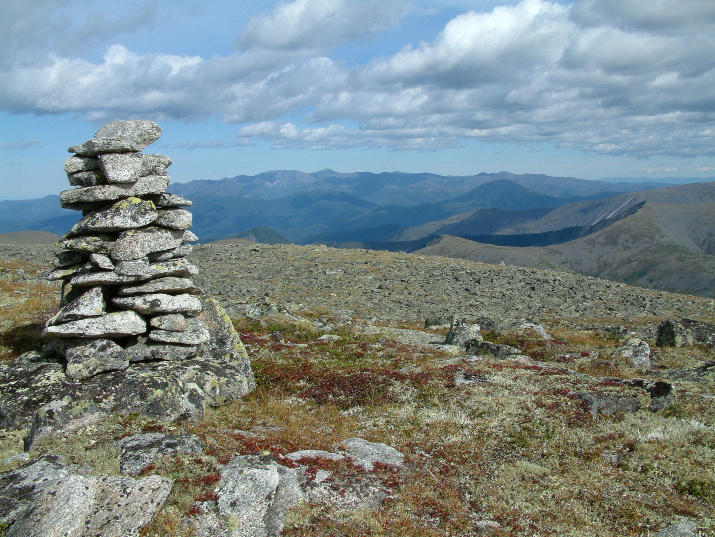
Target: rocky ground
560	417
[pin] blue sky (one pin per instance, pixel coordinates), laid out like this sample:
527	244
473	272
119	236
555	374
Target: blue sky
587	88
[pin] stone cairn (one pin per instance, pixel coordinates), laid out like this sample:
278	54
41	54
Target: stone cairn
131	297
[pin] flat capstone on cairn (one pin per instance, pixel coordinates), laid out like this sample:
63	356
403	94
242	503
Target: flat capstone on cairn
131	295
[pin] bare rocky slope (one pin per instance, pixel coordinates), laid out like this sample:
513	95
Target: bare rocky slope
554	421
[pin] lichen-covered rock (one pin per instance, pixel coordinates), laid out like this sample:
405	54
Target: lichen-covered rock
101	244
460	332
255	493
137	244
97	356
89	304
120	137
84	197
607	405
140	451
76	164
117	324
46	498
174	322
635	351
365	453
684	332
174	267
169	200
194	334
130	213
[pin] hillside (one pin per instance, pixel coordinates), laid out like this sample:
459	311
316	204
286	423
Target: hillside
649	248
547	428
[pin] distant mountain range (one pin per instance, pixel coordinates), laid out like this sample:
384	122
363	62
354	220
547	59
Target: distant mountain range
649	234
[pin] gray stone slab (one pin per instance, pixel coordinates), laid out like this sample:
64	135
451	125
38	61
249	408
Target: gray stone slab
88	178
157	303
151	351
118	324
76	164
174	218
102	261
182	251
174	322
174	267
140	451
68	258
169	200
195	334
101	244
51	499
130	213
97	356
79	198
136	244
161	285
89	304
120	137
129	167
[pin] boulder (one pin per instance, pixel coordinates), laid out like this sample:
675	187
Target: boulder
141	451
365	454
684	332
254	495
635	351
461	332
47	498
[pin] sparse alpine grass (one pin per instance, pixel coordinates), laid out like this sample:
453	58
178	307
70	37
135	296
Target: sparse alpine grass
511	453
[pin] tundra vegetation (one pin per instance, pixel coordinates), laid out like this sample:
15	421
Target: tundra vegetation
492	446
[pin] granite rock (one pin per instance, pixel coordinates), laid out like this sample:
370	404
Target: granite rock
130	213
195	334
136	244
118	324
76	164
47	498
129	167
97	356
157	303
120	137
174	322
91	303
87	197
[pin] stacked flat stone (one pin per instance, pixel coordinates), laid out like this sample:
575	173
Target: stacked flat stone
131	297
